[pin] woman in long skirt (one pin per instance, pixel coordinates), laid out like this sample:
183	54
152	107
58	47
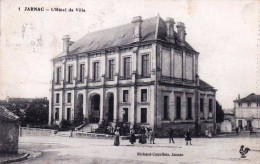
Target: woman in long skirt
116	140
132	136
188	137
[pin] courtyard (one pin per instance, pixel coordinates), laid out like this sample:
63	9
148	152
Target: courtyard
99	151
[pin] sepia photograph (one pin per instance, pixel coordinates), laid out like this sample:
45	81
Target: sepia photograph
129	81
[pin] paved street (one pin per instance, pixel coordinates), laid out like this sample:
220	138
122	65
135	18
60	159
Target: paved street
94	151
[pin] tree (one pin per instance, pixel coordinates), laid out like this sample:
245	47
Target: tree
37	113
219	113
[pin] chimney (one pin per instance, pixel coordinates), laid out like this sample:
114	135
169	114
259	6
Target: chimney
137	22
66	43
181	33
170	29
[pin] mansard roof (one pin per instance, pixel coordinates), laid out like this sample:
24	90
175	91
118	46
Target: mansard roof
6	115
250	98
153	28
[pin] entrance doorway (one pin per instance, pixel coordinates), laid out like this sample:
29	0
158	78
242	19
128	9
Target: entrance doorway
95	109
240	125
78	113
143	115
249	124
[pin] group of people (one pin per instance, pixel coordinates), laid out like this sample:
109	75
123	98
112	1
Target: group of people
148	132
251	130
208	133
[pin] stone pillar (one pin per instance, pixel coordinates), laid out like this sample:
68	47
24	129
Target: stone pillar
115	114
102	99
152	106
184	65
183	106
133	105
86	106
50	121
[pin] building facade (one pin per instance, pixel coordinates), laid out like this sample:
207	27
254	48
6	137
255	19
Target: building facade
142	73
247	112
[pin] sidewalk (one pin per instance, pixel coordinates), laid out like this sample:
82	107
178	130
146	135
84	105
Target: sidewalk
10	158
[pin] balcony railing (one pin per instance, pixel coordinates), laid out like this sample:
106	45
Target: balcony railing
176	80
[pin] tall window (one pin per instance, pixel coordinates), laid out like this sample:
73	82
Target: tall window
210	105
69	98
111	69
178	107
57	98
96	71
70	69
201	105
145	65
125	95
143	95
143	115
81	72
125	115
127	67
189	108
58	75
68	113
165	107
57	113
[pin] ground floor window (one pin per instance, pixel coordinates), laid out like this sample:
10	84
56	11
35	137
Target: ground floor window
189	108
57	113
125	114
165	106
68	113
178	107
143	115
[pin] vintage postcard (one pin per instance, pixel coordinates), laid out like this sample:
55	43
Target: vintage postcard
120	81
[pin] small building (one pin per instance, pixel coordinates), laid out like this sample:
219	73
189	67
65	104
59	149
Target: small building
229	124
9	131
247	112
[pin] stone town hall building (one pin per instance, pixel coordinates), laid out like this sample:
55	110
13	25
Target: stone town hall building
143	72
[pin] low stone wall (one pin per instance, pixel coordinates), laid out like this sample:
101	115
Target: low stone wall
91	135
36	132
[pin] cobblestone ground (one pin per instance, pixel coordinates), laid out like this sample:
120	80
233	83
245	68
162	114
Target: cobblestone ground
96	151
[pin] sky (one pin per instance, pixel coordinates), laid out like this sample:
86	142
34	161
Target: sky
225	33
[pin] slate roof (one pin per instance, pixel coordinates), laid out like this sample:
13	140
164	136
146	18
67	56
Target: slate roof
203	84
250	98
121	35
6	115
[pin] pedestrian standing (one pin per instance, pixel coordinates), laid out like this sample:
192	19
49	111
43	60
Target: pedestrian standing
144	135
132	136
171	135
188	137
116	139
237	130
151	136
207	132
251	130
